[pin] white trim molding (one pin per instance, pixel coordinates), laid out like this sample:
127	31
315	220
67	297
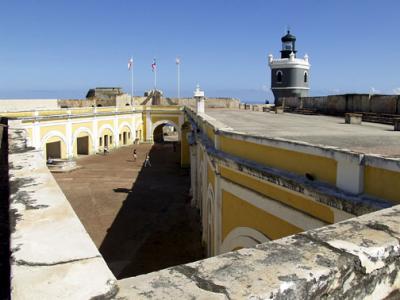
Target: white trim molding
242	237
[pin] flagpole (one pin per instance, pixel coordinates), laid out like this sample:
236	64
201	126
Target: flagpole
179	80
132	85
155	78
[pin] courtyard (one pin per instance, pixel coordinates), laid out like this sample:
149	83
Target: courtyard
139	217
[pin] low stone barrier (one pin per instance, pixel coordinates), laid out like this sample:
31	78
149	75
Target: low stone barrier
397	124
352	118
53	257
354	259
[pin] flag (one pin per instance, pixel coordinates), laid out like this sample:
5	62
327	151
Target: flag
154	65
130	63
178	61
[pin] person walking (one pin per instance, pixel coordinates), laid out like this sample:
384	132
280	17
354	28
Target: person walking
147	161
134	155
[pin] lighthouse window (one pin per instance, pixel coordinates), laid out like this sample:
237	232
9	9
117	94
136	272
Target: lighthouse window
279	76
287	46
305	77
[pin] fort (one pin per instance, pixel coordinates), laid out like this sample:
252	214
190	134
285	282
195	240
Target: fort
294	201
311	208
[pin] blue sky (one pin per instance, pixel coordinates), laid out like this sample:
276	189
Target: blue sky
60	49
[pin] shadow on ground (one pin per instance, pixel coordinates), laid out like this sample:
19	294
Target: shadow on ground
156	227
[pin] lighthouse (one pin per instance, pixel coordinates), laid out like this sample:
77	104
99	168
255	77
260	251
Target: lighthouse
289	75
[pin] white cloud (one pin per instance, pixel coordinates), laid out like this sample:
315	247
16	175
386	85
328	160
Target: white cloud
396	91
374	91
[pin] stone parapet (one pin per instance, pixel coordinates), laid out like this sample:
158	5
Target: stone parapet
353	259
52	255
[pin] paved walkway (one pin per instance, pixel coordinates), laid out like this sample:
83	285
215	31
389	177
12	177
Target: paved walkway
139	218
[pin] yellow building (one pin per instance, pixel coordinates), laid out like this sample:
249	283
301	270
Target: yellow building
254	176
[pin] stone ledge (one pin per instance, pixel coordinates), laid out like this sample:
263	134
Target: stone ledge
53	257
357	258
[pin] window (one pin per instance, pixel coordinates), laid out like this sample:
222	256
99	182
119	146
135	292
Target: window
120	137
110	139
100	141
305	77
129	135
279	76
287	46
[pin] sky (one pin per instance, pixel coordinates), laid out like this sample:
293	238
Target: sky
60	49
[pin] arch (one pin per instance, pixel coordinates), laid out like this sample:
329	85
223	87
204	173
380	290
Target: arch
242	237
109	143
123	137
52	134
76	135
279	76
167	122
106	126
123	124
210	220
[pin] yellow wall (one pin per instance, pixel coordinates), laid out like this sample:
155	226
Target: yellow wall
210	175
17	114
46	129
127	120
144	127
157	118
100	123
82	110
210	132
52	112
88	125
140	132
185	151
382	183
239	213
322	168
286	196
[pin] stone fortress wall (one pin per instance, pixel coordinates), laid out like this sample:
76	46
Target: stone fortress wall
119	101
341	104
210	102
231	172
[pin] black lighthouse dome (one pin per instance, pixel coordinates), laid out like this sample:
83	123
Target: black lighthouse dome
288	45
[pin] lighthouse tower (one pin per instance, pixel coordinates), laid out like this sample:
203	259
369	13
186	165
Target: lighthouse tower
289	75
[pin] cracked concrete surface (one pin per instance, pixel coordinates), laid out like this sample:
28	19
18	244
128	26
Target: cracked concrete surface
53	257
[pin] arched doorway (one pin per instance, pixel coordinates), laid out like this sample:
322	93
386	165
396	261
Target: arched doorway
82	142
106	138
166	132
125	135
54	145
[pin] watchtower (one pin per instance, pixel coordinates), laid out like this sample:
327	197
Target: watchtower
289	74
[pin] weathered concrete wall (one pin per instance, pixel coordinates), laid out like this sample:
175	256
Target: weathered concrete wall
209	102
53	257
27	104
340	104
4	216
65	103
354	259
